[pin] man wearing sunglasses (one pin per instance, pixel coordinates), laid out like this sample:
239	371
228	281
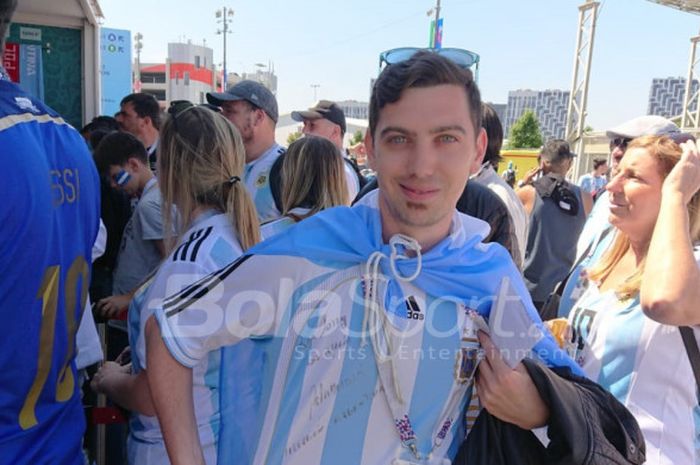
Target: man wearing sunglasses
620	136
361	313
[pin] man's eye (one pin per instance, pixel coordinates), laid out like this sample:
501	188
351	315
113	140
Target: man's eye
398	139
447	138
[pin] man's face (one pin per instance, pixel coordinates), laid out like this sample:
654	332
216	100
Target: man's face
242	115
129	121
321	127
618	146
423	149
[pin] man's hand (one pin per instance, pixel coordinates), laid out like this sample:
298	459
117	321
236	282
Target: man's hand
111	307
508	394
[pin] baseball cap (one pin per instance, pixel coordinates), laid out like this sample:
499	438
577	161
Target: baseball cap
252	92
648	125
323	109
555	150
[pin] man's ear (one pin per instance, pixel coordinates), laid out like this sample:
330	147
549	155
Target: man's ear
134	164
369	148
482	140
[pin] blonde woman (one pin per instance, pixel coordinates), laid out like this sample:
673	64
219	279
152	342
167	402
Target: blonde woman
640	361
313	179
200	165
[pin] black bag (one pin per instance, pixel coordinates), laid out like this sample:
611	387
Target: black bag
550	309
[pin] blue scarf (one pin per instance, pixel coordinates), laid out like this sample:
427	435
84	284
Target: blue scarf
459	267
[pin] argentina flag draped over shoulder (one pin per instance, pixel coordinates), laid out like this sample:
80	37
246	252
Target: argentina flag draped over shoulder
345	236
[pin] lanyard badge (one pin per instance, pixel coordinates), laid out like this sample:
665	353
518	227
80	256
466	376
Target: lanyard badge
470	353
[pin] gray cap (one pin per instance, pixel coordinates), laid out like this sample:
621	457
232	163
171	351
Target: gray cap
250	91
555	150
649	125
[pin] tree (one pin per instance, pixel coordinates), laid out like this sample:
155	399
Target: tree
525	133
588	129
293	136
357	137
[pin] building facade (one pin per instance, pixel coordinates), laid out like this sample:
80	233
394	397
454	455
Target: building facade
354	109
666	96
188	74
548	105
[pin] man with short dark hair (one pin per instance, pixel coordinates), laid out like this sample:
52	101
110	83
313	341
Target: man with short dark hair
122	159
557	211
595	181
140	115
50	217
252	108
356	306
326	119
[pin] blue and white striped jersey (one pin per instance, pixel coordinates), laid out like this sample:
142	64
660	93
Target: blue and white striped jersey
257	181
643	364
363	348
209	244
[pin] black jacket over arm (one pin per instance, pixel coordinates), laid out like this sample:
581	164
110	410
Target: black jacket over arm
587	426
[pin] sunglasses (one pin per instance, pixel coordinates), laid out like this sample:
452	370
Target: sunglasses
459	56
620	142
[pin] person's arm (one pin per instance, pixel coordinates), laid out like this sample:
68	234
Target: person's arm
160	245
506	393
587	201
670	289
527	194
124	388
171	387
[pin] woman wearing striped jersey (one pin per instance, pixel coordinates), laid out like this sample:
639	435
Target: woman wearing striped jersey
200	164
641	361
313	179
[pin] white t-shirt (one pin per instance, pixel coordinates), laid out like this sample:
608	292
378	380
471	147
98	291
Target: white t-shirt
488	177
644	365
209	244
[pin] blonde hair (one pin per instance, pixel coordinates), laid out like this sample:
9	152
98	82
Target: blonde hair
200	164
666	153
313	176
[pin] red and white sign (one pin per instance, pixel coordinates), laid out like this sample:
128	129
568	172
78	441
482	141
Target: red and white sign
10	61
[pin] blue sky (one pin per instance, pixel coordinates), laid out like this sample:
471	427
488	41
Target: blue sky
523	44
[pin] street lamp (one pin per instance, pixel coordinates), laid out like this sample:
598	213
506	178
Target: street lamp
138	45
224	16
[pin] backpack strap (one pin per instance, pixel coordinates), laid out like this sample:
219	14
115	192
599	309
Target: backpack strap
691	348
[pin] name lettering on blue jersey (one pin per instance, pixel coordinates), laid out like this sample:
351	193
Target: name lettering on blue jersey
65	185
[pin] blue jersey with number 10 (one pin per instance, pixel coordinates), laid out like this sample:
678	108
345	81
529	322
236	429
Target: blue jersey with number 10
49	218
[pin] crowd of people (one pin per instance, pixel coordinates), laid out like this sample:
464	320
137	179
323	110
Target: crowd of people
271	305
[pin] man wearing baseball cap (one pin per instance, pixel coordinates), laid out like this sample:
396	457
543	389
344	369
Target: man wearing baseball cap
326	119
252	108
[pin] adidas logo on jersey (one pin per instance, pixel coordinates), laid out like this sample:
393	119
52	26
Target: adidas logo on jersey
413	310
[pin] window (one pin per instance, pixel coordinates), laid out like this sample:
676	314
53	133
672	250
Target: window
157	93
153	78
196	61
187	78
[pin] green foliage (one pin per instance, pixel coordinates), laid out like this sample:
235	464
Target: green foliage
293	136
357	137
525	133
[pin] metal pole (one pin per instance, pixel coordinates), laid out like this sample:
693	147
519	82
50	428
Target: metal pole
578	97
437	18
691	118
225	32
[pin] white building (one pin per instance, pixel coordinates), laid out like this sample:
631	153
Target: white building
549	106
